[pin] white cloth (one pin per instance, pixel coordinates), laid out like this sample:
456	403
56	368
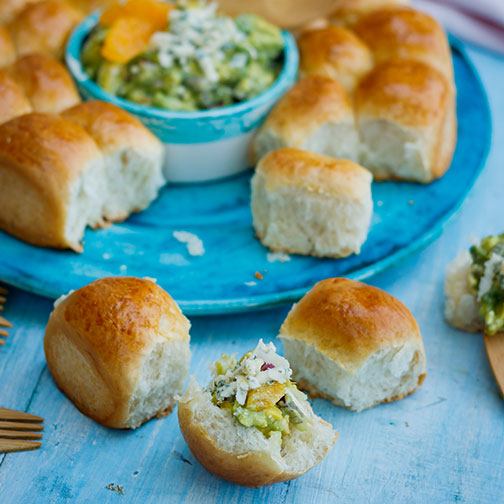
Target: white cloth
480	21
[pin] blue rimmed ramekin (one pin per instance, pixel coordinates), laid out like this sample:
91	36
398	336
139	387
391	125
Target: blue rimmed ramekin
200	146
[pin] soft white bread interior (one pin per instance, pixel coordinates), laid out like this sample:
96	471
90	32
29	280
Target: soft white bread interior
348	12
309	204
315	115
406	120
133	156
119	349
43	27
337	53
461	305
46	83
245	455
13	100
51	181
353	344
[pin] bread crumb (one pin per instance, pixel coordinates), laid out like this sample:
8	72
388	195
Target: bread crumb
62	298
150	279
106	256
278	257
259	275
123	268
194	244
113	487
251	283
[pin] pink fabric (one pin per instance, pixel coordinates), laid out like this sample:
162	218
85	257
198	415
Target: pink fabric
480	21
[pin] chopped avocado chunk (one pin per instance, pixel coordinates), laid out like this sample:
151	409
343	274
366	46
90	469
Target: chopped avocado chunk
486	279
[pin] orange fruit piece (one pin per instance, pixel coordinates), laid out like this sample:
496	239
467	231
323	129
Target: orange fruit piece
153	11
126	38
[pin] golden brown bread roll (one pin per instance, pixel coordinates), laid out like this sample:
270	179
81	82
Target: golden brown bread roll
315	115
404	33
309	204
7	47
46	83
13	100
9	9
353	344
133	156
406	120
51	175
119	349
348	12
44	27
337	53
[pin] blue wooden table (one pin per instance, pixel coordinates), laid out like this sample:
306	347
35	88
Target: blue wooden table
443	444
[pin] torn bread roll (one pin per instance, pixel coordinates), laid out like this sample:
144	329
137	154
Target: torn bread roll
315	115
7	48
309	204
133	156
349	12
251	425
119	349
13	101
353	344
406	118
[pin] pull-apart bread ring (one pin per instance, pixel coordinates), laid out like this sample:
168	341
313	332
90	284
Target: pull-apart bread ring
395	65
353	344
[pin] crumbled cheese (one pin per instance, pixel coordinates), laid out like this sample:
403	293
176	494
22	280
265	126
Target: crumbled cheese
492	267
278	257
194	244
262	365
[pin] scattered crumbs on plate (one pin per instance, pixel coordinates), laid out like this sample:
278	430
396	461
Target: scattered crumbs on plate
259	275
194	244
173	260
106	256
379	203
280	257
129	249
113	487
251	283
123	268
411	202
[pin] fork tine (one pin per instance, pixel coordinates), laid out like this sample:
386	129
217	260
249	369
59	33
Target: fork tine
15	445
21	426
5	322
19	416
6	434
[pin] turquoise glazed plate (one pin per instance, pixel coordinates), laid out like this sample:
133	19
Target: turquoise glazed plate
223	279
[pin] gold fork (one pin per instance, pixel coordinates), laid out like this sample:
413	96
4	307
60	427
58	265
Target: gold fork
19	431
3	322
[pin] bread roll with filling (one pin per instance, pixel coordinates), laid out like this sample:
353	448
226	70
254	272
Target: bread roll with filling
44	27
9	9
268	436
309	204
353	344
348	12
119	349
7	48
406	118
51	181
337	53
315	115
133	156
46	82
404	33
13	101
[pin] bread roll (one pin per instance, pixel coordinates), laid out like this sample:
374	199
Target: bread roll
13	101
133	156
315	115
51	181
309	204
461	305
44	27
263	434
353	344
9	9
348	12
404	33
46	82
406	117
337	53
119	349
7	47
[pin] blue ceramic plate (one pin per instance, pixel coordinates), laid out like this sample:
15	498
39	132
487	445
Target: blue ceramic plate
407	217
